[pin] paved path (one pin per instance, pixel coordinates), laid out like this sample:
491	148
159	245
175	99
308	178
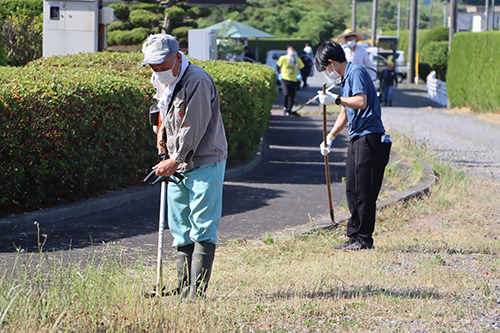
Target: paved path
287	189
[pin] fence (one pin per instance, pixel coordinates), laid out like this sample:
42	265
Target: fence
437	89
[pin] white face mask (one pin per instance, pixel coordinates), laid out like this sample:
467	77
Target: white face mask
351	43
333	76
167	77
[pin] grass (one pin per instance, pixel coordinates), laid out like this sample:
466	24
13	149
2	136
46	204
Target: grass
435	268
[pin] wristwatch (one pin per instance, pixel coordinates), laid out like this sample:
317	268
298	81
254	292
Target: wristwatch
337	100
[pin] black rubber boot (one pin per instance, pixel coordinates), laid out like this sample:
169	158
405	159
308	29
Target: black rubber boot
201	268
184	258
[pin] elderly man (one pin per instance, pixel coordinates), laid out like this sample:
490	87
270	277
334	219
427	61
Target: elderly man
193	133
356	54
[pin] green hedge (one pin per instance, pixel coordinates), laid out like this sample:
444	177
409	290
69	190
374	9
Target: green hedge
473	71
15	7
434	57
73	126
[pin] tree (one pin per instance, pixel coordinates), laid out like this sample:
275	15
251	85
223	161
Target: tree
315	20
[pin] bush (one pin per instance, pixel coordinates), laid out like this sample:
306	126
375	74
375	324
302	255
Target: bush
144	18
73	126
131	37
198	12
436	34
176	15
435	54
120	25
151	7
473	71
31	8
22	38
180	33
122	11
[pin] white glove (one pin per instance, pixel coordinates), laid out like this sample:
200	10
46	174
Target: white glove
325	149
327	99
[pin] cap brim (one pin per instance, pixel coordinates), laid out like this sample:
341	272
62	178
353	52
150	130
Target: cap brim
154	60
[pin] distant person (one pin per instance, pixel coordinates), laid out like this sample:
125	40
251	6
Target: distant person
248	53
309	51
355	53
288	66
389	81
306	71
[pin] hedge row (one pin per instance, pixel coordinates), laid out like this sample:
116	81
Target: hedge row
473	71
73	126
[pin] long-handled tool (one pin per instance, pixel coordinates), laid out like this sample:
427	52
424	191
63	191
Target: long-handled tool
312	100
327	168
158	288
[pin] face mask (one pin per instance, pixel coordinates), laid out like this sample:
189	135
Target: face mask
333	76
167	77
351	43
291	54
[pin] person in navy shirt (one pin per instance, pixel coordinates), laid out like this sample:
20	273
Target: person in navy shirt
368	151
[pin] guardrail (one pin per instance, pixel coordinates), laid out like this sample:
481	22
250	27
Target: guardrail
436	89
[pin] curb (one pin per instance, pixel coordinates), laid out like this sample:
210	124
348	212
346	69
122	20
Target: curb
110	200
417	191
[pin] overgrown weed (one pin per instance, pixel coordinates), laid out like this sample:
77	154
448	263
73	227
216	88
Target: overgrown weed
434	268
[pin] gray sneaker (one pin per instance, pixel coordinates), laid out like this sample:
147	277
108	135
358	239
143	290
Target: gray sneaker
358	245
348	243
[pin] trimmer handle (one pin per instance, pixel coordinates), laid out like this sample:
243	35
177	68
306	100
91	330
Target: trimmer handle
178	178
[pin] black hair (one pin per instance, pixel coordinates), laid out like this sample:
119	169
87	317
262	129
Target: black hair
328	51
291	45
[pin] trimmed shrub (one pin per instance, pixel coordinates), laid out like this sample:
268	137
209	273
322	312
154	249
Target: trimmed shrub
128	37
121	25
144	18
176	15
181	32
10	8
22	36
122	11
73	126
473	71
152	7
436	34
199	12
435	55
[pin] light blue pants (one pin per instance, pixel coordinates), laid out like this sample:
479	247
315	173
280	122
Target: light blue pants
195	205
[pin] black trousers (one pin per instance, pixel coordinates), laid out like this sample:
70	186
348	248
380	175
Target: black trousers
289	89
366	161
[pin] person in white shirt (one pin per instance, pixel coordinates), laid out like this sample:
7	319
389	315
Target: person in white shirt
356	54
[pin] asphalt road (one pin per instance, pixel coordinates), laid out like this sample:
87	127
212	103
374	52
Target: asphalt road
287	189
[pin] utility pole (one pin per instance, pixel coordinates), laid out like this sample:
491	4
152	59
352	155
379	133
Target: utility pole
486	15
492	15
354	15
374	21
412	43
407	14
453	21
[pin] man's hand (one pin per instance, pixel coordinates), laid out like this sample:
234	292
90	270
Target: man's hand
166	168
325	149
327	99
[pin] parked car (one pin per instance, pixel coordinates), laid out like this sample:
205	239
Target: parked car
380	58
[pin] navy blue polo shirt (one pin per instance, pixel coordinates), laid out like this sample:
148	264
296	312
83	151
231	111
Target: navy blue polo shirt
357	80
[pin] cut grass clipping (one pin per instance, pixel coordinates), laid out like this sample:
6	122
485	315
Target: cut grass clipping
435	268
